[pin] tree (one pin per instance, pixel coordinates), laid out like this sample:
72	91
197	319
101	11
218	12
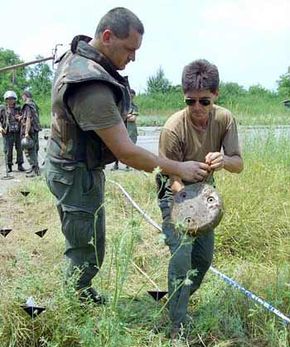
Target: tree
39	79
12	79
158	83
229	92
284	85
260	91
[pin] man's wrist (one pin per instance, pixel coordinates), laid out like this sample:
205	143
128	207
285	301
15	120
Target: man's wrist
179	168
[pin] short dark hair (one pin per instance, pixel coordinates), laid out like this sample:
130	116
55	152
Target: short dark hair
200	75
120	20
132	91
27	93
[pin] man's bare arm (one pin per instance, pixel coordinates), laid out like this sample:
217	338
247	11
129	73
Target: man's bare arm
27	126
233	163
218	160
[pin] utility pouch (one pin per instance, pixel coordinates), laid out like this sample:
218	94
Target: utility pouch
13	127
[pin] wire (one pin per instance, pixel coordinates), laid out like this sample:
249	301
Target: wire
225	278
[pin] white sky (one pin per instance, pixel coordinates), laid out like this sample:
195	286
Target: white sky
249	40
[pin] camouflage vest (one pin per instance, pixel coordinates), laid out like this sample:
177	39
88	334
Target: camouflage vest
69	144
35	123
8	120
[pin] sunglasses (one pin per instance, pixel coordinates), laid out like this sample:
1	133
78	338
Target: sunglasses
191	102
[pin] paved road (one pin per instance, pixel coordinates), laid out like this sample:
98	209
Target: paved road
148	139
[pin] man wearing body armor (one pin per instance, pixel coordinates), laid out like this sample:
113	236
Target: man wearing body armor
30	127
10	130
90	102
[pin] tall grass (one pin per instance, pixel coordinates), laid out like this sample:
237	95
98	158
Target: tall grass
252	246
249	109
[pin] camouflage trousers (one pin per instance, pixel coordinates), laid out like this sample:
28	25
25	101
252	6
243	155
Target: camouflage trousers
32	154
9	141
132	131
80	197
190	260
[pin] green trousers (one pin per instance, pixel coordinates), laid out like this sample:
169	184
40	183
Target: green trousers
10	140
80	197
32	154
189	262
132	131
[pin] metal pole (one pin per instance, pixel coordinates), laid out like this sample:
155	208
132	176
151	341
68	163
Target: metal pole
12	67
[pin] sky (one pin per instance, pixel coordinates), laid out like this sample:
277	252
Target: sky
248	40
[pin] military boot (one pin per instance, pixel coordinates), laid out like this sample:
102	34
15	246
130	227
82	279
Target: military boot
115	167
20	167
35	172
9	167
91	295
29	170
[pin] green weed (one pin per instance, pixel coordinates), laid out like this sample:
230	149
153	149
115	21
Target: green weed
252	247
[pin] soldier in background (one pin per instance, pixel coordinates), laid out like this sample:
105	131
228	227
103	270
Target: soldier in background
131	124
30	127
10	130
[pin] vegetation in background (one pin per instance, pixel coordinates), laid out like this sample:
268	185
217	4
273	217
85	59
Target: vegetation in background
252	247
253	106
284	85
14	80
36	78
158	83
39	79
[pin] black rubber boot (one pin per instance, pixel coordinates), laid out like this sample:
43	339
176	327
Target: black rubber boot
29	170
91	295
35	172
20	167
115	167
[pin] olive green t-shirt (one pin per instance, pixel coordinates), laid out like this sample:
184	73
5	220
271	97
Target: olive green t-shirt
181	141
94	106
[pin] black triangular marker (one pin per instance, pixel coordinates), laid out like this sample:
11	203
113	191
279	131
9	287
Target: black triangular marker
24	192
41	233
5	231
33	311
156	294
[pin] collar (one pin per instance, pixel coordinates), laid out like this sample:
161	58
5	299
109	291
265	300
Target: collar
81	47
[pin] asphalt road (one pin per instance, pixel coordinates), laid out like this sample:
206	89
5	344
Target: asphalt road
148	139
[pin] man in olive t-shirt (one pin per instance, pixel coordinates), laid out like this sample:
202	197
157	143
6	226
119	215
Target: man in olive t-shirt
206	134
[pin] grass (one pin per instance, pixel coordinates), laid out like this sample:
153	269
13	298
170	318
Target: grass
248	109
252	246
155	109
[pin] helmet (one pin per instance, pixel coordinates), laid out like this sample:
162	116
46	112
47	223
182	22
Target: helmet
27	143
10	94
27	93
